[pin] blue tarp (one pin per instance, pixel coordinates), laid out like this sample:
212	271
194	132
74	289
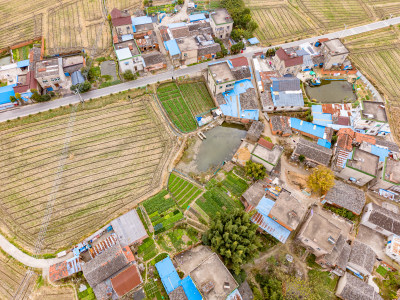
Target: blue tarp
253	41
266	223
197	17
190	289
23	63
77	78
307	127
168	274
322	119
6	92
141	20
172	47
324	143
381	152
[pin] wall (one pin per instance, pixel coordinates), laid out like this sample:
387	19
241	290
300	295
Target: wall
189	57
306	134
331	60
131	64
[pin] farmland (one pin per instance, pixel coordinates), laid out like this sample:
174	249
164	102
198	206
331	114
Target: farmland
123	4
176	107
197	97
162	211
111	153
183	190
377	55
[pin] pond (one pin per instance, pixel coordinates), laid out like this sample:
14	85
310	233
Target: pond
5	60
332	91
220	145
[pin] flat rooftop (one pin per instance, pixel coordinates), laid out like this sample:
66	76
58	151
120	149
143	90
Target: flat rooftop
188	43
221	72
190	259
336	47
221	16
271	156
364	161
131	44
374	110
392	171
48	67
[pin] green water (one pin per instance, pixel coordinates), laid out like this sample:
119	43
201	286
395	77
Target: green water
220	145
332	91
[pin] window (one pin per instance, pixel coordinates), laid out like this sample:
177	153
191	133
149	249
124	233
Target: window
185	54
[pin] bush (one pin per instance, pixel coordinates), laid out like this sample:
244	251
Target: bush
128	75
255	170
237	47
81	88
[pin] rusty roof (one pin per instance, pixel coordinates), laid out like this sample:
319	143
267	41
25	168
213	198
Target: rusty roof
289	61
126	280
239	62
345	138
265	143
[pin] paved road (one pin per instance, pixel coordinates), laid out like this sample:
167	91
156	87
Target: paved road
27	260
35	108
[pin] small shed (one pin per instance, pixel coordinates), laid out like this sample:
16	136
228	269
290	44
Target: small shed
77	78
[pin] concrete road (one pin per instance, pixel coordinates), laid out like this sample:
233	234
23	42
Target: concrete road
38	107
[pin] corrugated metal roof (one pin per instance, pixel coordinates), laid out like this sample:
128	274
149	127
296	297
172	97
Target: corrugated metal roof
307	127
168	274
197	17
284	84
6	92
77	78
141	20
23	63
253	41
324	143
190	289
381	152
129	228
266	223
176	25
172	47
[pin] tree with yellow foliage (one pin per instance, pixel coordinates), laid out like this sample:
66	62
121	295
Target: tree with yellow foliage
321	180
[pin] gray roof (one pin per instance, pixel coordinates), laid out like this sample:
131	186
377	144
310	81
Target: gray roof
241	72
313	151
289	99
393	147
346	196
340	253
178	294
220	99
245	291
385	219
77	78
363	256
248	99
211	49
356	289
256	129
318	59
129	228
104	265
281	123
284	84
153	58
254	194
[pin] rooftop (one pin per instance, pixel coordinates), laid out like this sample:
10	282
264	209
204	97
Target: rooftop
129	228
177	294
307	127
395	247
392	171
126	280
240	61
340	253
352	288
48	67
221	72
288	211
362	256
153	58
335	47
281	123
245	291
344	195
213	271
254	194
374	111
384	218
313	151
221	16
256	129
271	156
130	44
364	161
290	61
187	43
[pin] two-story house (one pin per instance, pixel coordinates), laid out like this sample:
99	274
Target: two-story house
221	23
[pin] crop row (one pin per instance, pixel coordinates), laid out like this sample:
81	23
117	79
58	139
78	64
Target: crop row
182	190
215	200
158	203
197	97
235	185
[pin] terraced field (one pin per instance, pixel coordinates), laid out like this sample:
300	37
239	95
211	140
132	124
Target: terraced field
197	97
87	166
183	191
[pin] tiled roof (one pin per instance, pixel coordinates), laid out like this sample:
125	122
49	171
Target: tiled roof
211	49
385	219
265	143
345	138
239	61
126	280
346	196
313	151
356	289
289	61
122	21
283	84
362	256
280	123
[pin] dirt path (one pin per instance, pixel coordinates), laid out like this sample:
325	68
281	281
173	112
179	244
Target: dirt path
179	17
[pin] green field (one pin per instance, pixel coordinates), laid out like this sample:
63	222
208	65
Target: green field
147	249
182	190
197	97
176	107
162	211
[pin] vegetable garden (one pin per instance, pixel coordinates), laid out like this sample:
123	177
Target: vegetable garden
183	190
197	97
115	155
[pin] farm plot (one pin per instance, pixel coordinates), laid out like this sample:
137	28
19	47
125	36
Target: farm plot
336	14
11	276
147	249
123	4
183	190
115	155
50	292
372	39
176	107
280	23
197	97
162	211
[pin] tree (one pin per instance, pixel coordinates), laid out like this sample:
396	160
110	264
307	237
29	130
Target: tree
301	157
321	180
255	170
13	99
81	87
128	75
180	2
35	95
233	236
237	47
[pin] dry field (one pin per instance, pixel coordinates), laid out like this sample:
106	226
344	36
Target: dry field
132	5
377	55
11	275
49	292
115	155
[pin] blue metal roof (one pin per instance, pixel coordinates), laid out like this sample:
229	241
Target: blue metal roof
168	274
381	152
77	78
266	223
127	37
316	108
307	127
190	289
23	63
197	17
324	143
176	25
141	20
321	118
172	47
6	92
253	41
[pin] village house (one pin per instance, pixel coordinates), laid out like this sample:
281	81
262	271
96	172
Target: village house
50	75
267	154
336	115
264	85
313	153
286	61
311	130
129	56
122	25
255	131
334	52
321	231
346	196
350	287
286	93
362	259
221	23
381	220
361	168
393	247
280	125
387	183
154	61
129	229
370	118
